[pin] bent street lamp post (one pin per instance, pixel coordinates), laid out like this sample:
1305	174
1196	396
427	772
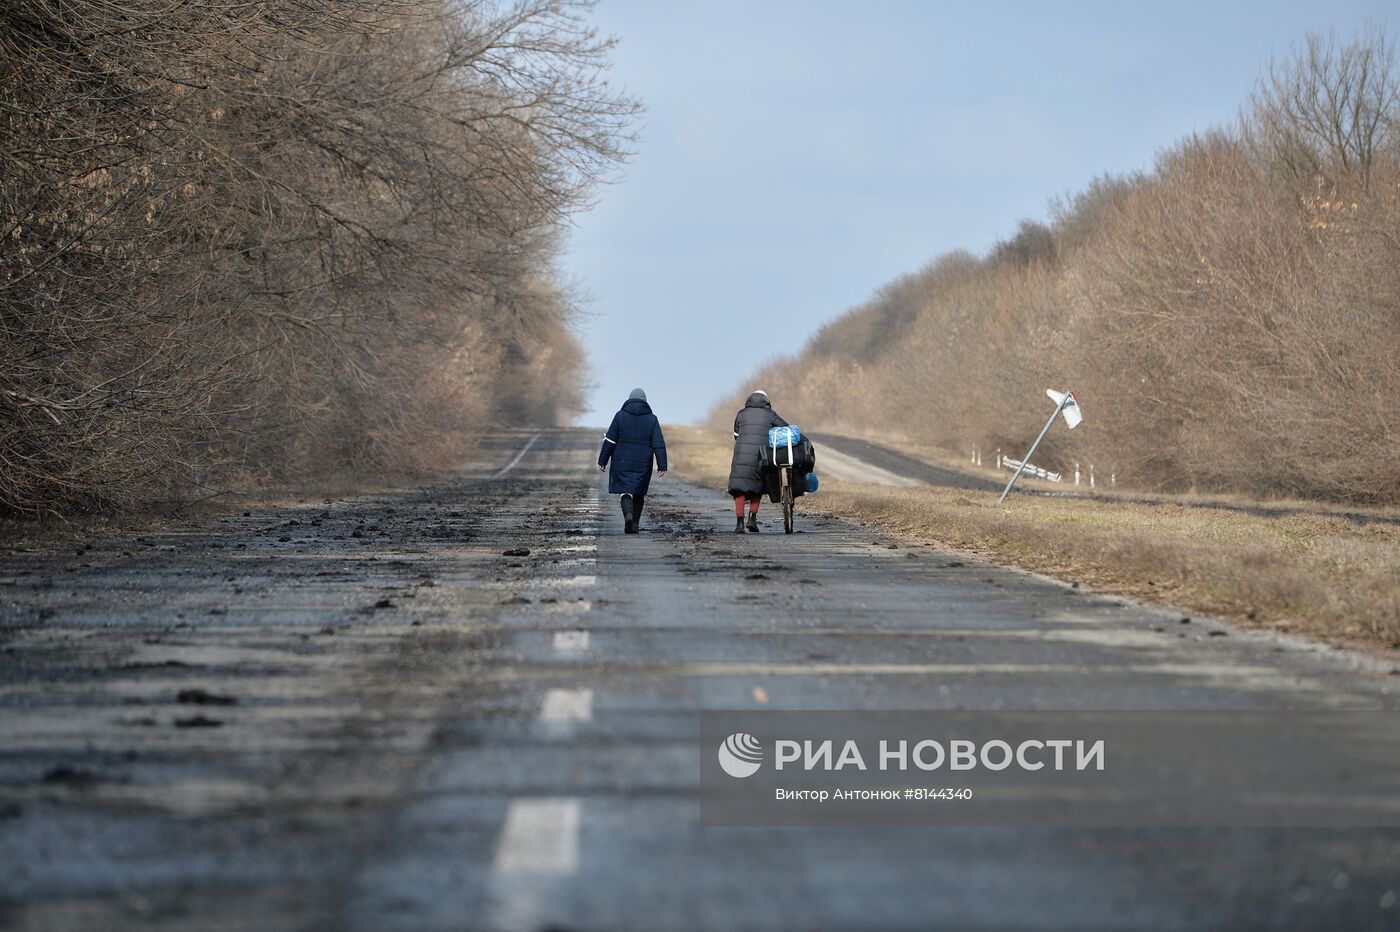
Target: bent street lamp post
1066	401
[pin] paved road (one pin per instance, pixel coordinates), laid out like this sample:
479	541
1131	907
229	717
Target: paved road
362	714
854	460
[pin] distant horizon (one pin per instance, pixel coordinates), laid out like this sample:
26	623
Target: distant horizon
838	149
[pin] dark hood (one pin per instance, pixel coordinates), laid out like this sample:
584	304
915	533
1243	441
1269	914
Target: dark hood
757	400
636	407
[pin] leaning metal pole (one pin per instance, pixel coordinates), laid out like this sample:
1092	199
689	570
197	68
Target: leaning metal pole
1031	452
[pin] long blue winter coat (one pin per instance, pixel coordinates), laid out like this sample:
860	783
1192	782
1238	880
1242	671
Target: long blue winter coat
631	442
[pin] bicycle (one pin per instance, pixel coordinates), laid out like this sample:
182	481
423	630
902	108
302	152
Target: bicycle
785	486
789	452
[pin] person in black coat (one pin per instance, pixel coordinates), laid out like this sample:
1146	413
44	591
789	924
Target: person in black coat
751	427
632	441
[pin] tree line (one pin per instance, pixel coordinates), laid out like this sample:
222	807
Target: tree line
1231	318
262	240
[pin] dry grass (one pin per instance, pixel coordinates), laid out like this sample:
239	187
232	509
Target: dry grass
1319	575
958	462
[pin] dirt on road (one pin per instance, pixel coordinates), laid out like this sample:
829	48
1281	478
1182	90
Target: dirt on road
473	705
1317	570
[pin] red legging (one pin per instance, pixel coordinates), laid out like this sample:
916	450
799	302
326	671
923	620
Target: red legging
753	504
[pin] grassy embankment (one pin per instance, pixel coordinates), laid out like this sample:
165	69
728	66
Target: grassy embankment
1319	575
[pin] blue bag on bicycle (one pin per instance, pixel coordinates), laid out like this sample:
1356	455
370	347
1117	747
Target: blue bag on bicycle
789	436
787	447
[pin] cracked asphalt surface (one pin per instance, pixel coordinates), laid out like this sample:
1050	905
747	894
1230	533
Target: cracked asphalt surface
474	706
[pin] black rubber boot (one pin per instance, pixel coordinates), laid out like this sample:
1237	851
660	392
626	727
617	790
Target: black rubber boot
629	521
638	502
753	521
738	525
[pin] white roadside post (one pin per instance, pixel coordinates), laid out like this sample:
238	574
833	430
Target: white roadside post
1064	402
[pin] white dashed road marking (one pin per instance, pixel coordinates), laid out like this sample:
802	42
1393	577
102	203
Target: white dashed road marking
571	641
567	705
540	837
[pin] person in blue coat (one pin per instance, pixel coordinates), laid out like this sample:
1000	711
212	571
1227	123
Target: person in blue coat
632	441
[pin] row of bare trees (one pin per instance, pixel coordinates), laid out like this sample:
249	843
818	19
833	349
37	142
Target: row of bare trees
1230	319
270	239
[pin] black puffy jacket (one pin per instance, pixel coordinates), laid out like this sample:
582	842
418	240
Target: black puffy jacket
633	438
750	444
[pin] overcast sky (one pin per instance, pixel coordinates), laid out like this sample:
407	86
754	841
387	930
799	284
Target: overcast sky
795	156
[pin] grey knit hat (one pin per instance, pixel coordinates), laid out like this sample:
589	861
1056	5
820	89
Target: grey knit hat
637	394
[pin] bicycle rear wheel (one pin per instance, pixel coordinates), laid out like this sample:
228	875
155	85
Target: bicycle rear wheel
787	500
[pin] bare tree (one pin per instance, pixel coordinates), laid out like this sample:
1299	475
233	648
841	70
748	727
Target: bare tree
280	238
1225	330
1326	113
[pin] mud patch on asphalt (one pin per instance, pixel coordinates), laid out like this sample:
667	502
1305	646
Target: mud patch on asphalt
294	662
